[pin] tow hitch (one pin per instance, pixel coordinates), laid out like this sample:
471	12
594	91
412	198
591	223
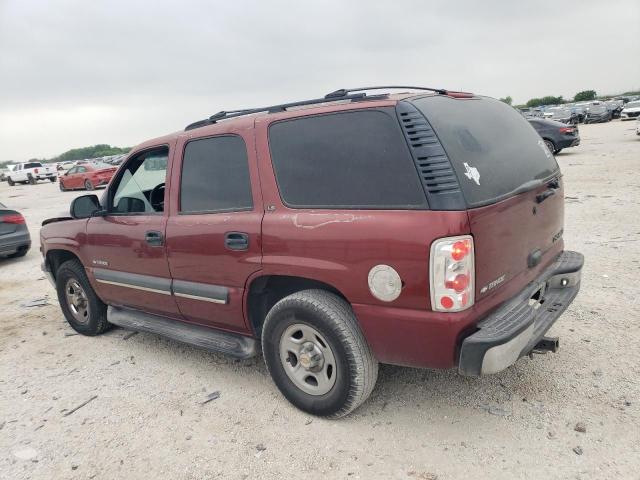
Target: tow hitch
546	344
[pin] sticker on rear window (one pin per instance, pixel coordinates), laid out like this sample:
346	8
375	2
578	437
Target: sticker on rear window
472	173
544	148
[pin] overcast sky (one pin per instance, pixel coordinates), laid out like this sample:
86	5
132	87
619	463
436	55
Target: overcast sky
75	73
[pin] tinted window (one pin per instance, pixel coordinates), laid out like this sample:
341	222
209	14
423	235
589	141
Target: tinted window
140	189
215	176
345	160
487	137
32	165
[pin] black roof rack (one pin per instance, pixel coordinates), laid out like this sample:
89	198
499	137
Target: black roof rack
346	91
342	94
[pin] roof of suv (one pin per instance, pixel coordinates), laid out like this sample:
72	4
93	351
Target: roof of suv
339	100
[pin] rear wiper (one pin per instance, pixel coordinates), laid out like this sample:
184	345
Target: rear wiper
525	187
553	186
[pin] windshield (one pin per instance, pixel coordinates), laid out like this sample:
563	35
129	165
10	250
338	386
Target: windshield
493	150
632	105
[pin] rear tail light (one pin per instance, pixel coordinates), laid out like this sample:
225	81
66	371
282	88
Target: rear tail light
452	273
15	218
35	171
567	130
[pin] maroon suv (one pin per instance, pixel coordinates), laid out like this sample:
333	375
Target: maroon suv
419	229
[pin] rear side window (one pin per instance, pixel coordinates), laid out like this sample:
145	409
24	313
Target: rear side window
493	149
345	160
32	165
215	176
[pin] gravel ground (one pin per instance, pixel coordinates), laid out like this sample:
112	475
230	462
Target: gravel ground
574	414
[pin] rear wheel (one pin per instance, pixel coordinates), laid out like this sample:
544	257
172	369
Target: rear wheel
31	180
316	354
52	179
88	185
550	145
10	182
84	311
558	151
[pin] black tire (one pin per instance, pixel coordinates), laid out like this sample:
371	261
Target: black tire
88	185
31	180
10	182
96	320
557	151
550	145
62	187
356	369
52	179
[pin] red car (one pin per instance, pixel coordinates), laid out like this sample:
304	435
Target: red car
87	176
328	235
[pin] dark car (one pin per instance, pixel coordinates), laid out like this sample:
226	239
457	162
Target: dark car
87	176
563	115
556	135
597	112
15	240
330	235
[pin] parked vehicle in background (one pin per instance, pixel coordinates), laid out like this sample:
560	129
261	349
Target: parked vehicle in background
15	240
597	112
562	114
615	107
578	110
3	174
379	229
631	110
117	160
556	135
87	176
31	172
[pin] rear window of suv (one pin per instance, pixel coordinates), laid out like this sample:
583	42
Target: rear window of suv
493	149
356	159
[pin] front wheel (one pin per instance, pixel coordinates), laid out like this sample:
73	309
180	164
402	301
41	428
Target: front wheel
10	182
317	355
88	185
61	186
84	311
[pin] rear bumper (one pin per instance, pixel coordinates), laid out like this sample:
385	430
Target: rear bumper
514	329
568	142
13	242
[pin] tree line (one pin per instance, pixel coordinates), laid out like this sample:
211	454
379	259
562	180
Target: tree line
94	151
583	96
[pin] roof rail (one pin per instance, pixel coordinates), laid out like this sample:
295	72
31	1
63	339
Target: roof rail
223	115
345	91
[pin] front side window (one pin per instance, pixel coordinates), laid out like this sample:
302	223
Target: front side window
140	187
215	176
345	160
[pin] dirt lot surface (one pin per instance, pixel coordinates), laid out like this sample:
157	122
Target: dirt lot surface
146	418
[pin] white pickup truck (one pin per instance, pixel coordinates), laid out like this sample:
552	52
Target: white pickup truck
31	172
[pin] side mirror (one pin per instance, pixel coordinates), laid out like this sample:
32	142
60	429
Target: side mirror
85	206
